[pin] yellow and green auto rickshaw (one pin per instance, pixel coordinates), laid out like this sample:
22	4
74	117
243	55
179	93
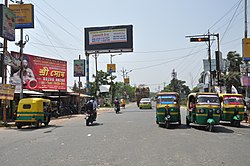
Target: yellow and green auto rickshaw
167	108
33	111
232	108
203	109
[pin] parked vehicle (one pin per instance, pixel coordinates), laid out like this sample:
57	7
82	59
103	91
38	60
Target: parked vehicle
232	108
203	109
33	111
145	103
167	108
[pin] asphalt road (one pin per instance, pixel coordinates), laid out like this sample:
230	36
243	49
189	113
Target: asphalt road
131	138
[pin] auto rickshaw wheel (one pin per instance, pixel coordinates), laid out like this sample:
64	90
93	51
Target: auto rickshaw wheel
179	122
167	125
210	127
46	123
237	123
38	124
19	126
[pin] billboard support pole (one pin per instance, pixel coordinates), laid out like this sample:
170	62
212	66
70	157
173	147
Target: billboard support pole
87	74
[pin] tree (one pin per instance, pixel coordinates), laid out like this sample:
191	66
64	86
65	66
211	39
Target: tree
232	77
177	86
103	79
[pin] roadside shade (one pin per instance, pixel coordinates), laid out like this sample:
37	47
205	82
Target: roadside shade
30	92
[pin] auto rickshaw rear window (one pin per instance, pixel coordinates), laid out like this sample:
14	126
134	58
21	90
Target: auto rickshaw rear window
203	99
233	100
166	99
26	106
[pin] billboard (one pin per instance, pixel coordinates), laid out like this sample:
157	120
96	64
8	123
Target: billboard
79	68
40	73
7	23
109	39
24	15
224	64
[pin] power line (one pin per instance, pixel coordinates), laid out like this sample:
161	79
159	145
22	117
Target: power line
66	48
230	21
167	61
63	17
224	15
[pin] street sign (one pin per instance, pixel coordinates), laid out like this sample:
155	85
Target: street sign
111	68
7	91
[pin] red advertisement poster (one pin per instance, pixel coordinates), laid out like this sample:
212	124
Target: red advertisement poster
40	73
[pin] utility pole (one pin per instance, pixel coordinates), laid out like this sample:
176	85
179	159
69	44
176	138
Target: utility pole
209	61
111	81
79	86
205	38
219	65
4	76
125	75
246	62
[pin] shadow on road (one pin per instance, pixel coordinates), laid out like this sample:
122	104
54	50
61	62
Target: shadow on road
95	124
32	128
216	129
229	125
175	126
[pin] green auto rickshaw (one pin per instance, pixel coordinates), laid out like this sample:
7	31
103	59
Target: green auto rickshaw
203	109
33	111
167	108
232	108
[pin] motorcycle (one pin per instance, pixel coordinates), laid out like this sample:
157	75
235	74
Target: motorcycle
90	117
117	108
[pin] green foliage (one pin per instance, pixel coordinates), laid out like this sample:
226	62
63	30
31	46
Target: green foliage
118	88
177	86
232	77
195	89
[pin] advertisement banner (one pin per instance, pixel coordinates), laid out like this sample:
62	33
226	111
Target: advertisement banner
7	91
108	36
126	80
7	23
40	73
79	68
24	15
246	49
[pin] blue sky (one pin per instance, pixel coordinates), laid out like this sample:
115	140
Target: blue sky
159	30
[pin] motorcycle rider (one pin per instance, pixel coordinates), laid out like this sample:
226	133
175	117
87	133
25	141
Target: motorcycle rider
94	106
117	104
